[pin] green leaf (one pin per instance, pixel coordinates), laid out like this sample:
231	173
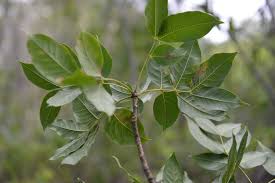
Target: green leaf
203	139
182	70
70	147
68	128
231	166
242	148
36	78
166	109
93	56
119	92
156	11
79	78
188	107
227	129
100	98
77	155
269	165
50	58
84	111
253	159
73	53
132	178
119	128
165	54
186	26
239	136
172	172
64	96
48	113
211	161
215	99
159	75
107	65
212	72
127	104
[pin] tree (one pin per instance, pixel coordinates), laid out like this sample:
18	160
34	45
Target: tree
183	83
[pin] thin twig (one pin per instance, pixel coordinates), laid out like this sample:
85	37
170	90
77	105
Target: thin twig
141	154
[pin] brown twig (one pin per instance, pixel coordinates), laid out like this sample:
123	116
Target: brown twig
141	154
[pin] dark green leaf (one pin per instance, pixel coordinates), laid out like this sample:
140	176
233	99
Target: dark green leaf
186	26
64	96
48	113
156	11
212	72
50	58
166	109
211	161
36	78
231	166
165	54
89	52
107	65
79	78
242	148
119	127
182	71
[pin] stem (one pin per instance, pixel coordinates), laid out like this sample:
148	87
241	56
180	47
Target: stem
249	180
141	154
273	180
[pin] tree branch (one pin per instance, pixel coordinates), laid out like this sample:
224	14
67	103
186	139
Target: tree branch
141	154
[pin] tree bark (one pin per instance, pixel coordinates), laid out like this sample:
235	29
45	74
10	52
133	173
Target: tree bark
141	154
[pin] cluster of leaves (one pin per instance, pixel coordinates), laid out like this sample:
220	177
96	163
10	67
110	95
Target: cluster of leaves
184	85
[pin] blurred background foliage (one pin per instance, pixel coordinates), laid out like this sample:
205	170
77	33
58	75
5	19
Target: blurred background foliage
25	148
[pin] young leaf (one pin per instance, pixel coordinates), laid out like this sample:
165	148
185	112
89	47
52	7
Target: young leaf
65	96
172	172
166	109
202	139
186	26
253	159
100	98
36	78
50	58
156	11
269	165
242	148
73	53
84	112
77	155
212	72
89	52
119	127
182	70
48	113
211	161
231	166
